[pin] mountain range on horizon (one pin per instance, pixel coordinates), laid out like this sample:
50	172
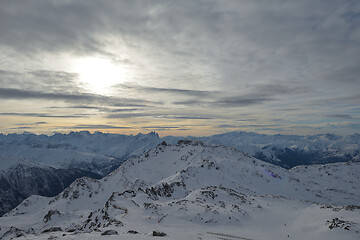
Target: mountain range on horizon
45	165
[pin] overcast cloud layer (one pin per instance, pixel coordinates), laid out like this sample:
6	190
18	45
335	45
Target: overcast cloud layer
188	67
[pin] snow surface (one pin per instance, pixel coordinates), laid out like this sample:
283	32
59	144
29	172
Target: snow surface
193	191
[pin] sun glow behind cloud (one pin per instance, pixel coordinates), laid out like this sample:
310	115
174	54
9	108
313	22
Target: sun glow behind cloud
278	67
98	74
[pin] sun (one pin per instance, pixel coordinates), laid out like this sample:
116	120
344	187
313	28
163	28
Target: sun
98	74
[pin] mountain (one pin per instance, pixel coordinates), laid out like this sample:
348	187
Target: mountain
93	152
25	179
45	165
194	191
59	159
289	151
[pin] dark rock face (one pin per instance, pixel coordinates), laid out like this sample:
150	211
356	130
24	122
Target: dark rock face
10	197
13	232
109	232
290	158
23	181
51	213
52	229
159	234
165	190
338	223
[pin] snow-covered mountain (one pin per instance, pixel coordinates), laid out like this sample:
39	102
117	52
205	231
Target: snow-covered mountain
45	165
26	179
94	152
97	151
59	159
291	150
194	191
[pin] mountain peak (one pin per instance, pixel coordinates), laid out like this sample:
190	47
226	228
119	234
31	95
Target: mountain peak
152	133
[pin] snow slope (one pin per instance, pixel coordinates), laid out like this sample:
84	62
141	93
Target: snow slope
45	165
291	150
193	191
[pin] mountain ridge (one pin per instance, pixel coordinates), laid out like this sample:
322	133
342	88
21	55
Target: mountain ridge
194	183
99	153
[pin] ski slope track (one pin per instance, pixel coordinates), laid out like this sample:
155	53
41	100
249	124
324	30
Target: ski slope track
194	191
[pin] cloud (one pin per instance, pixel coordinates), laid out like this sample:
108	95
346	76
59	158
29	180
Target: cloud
239	101
50	26
128	115
236	101
248	120
159	127
190	102
176	91
341	100
158	115
280	89
341	116
11	93
77	107
227	126
186	117
346	74
329	125
188	59
258	94
40	80
43	115
124	110
28	124
288	109
98	126
20	128
247	126
109	109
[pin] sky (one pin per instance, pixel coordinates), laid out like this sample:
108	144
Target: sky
189	67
